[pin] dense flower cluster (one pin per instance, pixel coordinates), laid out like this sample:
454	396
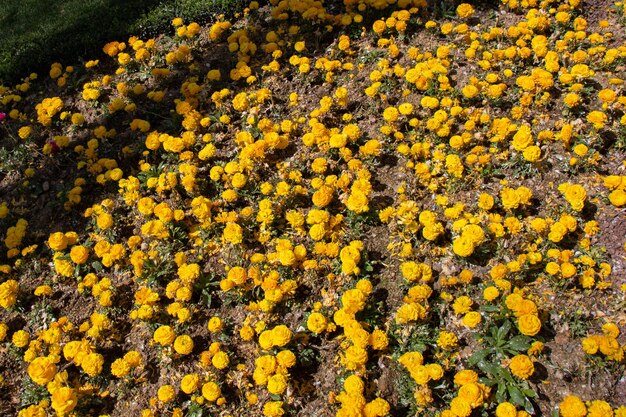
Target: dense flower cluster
360	209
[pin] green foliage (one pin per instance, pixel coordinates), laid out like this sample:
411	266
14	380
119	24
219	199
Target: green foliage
37	33
496	346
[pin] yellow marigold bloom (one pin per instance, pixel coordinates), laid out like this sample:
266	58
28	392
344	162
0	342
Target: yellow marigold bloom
24	132
618	198
233	233
464	10
104	221
166	393
522	366
281	335
79	254
532	153
447	340
462	304
491	293
463	246
92	364
164	335
460	407
57	241
277	384
120	368
42	370
572	406
190	383
220	360
379	26
183	344
391	114
316	322
485	201
410	312
8	293
273	409
529	324
506	409
597	118
472	319
64	400
611	330
376	408
523	138
599	408
466	376
470	91
211	391
20	338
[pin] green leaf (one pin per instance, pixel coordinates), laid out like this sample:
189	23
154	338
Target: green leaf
506	374
489	368
528	406
517	397
490	309
97	266
519	343
504	330
529	393
477	357
500	393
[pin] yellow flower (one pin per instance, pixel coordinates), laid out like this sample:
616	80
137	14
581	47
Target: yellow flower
618	198
506	409
42	370
532	153
572	406
485	201
597	118
277	384
463	246
316	322
190	383
8	293
466	376
460	407
491	293
57	241
120	368
104	221
273	409
472	319
92	364
462	304
447	340
473	394
20	338
464	10
64	400
183	344
220	360
281	335
233	233
523	138
166	393
376	408
211	391
522	366
410	312
79	254
529	324
164	335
